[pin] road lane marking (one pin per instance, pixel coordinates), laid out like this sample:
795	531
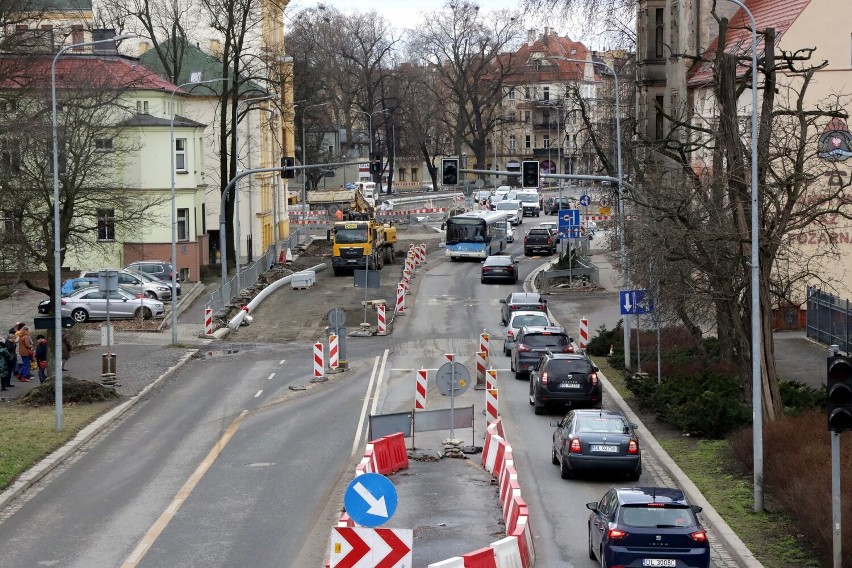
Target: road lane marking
379	384
281	362
183	493
258	393
362	417
269	378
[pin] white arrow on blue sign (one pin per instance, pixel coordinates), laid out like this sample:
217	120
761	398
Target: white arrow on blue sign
370	499
585	200
633	302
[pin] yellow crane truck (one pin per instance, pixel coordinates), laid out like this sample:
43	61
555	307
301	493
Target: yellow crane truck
360	241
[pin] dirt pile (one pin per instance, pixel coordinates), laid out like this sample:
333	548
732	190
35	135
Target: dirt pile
74	391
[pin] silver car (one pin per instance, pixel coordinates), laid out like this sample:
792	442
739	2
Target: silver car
140	283
518	320
91	304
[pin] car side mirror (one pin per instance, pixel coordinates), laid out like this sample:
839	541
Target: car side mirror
592	506
596	368
555	423
502	301
697	509
517	262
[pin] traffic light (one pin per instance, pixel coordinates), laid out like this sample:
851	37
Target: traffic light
449	171
376	163
529	173
288	162
839	393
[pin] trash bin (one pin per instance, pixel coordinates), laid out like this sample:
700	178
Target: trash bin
108	364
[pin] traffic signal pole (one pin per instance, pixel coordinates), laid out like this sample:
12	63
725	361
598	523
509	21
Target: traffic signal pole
839	413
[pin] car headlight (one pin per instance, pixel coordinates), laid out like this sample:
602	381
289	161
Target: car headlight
162	289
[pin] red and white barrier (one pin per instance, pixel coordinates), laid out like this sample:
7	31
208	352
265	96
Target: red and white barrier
333	353
319	361
490	405
584	333
485	343
490	379
420	391
400	299
208	321
481	358
421	250
382	324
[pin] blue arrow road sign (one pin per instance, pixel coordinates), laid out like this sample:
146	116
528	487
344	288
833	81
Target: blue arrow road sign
370	499
569	232
634	302
569	217
585	200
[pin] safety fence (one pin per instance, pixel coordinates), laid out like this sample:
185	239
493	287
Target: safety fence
828	318
321	219
221	297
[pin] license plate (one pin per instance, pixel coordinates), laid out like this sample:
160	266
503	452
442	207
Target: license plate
569	385
659	562
614	449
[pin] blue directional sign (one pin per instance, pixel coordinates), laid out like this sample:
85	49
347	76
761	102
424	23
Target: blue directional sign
569	217
633	302
370	500
585	200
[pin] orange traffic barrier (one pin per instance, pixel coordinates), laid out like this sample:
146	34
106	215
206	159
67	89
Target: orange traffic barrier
398	452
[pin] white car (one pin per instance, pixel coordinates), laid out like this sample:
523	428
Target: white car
510	233
514	212
518	320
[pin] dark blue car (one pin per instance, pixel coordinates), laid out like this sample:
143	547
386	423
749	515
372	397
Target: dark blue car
647	527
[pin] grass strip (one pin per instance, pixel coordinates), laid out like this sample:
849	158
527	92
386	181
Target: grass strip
30	433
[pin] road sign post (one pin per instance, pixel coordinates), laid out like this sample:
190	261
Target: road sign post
370	500
636	302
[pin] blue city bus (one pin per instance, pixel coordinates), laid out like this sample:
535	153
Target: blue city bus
476	234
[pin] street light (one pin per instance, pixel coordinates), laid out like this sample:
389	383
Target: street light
622	248
370	125
174	205
756	393
57	250
305	156
237	225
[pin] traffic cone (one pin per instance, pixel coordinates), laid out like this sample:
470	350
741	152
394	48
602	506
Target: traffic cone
289	256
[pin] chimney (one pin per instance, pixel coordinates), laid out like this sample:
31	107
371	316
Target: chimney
106	48
530	37
216	48
143	48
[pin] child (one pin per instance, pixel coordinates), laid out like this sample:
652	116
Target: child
41	358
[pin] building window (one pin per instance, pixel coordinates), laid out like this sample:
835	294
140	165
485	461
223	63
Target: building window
8	222
103	145
106	224
203	219
527	117
10	157
141	107
511	117
512	94
402	174
546	140
546	93
513	142
77	36
414	174
658	33
527	141
183	224
527	93
658	118
180	155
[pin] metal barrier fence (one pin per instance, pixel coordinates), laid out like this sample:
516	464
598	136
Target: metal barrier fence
223	295
828	319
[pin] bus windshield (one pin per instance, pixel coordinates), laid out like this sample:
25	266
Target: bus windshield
465	231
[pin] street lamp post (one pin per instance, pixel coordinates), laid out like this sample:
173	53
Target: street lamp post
57	249
756	336
370	126
174	204
305	155
622	247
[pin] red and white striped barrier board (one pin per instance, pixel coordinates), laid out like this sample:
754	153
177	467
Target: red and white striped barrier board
588	217
361	547
319	361
400	299
421	250
485	343
490	405
490	379
382	324
420	391
481	357
333	353
449	357
411	212
303	214
584	333
208	321
309	222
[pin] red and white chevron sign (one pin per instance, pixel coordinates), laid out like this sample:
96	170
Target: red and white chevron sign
371	548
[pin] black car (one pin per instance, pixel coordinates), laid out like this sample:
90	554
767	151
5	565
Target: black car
521	301
647	526
596	440
564	378
552	205
499	267
535	341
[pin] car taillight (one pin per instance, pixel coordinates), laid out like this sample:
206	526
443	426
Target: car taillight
140	296
632	447
522	347
486	269
526	239
699	536
575	446
514	307
510	334
541	307
548	240
63	302
544	378
616	534
568	348
594	378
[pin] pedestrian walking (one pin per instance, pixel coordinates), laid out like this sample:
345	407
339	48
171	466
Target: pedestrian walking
41	358
13	332
7	363
66	348
25	350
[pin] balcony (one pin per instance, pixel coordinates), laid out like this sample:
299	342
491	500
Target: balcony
651	71
553	126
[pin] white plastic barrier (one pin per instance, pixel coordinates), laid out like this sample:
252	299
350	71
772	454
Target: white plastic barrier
491	456
449	563
506	553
